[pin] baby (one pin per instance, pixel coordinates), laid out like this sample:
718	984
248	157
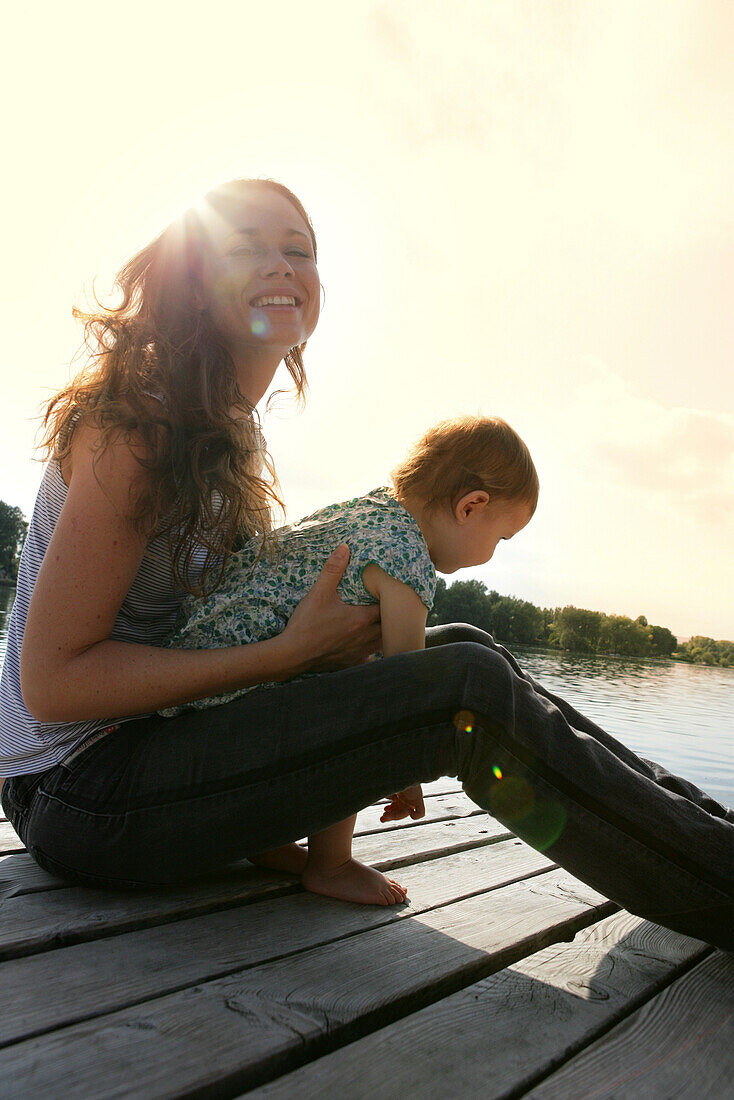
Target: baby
464	486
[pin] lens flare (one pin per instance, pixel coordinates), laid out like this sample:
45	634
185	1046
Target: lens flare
536	821
258	328
464	720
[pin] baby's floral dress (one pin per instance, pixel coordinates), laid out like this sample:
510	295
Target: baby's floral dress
257	595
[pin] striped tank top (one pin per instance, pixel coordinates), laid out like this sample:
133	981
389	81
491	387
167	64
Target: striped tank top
147	615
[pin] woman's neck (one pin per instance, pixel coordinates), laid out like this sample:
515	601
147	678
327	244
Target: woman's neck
255	371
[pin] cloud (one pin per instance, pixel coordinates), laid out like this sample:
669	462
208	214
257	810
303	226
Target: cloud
681	455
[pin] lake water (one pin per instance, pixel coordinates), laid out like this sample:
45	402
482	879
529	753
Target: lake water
680	715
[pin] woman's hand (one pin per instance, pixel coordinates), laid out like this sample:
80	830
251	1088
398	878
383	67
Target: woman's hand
324	633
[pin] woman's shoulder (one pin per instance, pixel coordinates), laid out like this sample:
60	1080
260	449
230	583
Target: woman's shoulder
114	455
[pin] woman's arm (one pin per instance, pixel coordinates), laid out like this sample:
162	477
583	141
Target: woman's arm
70	668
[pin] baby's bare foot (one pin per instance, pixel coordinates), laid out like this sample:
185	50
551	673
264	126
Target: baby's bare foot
291	858
354	881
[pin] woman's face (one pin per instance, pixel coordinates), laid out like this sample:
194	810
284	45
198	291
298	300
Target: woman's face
259	282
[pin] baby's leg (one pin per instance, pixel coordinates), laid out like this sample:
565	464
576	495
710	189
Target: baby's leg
330	870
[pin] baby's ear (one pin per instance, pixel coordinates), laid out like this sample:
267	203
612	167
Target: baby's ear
470	504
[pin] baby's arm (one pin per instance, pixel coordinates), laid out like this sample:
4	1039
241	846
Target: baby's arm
402	612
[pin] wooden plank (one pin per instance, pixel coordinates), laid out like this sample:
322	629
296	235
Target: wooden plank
678	1044
38	922
19	874
92	978
439	807
237	1032
389	850
447	784
42	921
476	1042
9	840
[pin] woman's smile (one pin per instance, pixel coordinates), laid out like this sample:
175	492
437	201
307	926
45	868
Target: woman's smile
275	301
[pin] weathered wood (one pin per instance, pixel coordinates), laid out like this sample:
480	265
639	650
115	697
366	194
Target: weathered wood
238	1031
37	922
212	988
392	849
41	921
439	807
501	1035
678	1044
19	874
93	978
9	839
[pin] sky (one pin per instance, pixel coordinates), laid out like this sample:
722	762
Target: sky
523	208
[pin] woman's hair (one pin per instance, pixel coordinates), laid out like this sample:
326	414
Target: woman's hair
471	452
158	371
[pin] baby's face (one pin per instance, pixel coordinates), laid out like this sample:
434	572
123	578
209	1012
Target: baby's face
471	533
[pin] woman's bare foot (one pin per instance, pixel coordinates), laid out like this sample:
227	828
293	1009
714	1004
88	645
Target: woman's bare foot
354	881
291	858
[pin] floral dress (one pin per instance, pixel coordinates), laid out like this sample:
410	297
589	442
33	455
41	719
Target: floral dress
257	596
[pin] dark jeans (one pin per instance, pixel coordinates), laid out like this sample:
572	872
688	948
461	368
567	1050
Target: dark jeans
161	800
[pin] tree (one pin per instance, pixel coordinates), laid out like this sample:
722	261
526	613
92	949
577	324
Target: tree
707	651
463	602
13	530
515	621
576	629
663	641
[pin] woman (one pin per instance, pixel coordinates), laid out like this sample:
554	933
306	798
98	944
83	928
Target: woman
156	472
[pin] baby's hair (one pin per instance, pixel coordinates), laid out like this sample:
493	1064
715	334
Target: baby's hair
471	452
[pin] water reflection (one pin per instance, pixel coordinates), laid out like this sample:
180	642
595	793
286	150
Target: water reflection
680	715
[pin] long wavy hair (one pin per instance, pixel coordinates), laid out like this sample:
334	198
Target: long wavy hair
157	371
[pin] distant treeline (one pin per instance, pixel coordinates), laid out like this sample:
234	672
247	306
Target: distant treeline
706	651
519	622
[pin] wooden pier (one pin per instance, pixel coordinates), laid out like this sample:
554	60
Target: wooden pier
502	977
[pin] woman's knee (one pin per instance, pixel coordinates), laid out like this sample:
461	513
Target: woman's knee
451	633
468	667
